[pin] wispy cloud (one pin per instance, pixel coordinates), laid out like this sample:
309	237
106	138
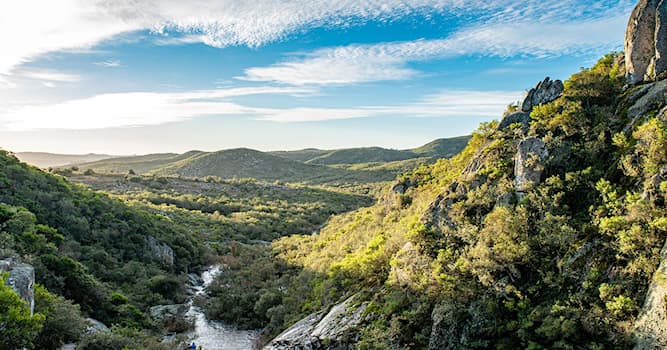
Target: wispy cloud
49	75
108	63
30	28
390	61
147	108
447	103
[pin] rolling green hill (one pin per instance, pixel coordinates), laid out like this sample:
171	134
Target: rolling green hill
361	155
442	148
139	164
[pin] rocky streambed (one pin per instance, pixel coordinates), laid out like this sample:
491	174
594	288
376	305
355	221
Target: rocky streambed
214	335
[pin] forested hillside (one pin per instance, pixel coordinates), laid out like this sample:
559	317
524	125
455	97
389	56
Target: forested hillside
544	232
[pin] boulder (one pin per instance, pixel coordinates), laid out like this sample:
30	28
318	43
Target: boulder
545	92
651	326
529	163
646	42
21	279
515	117
161	312
330	332
95	326
161	251
640	40
654	96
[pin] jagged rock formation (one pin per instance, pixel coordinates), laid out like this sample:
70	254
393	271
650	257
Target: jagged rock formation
161	251
529	163
315	332
651	325
21	279
646	41
545	91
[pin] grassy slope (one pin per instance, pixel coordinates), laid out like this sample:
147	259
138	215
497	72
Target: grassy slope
46	160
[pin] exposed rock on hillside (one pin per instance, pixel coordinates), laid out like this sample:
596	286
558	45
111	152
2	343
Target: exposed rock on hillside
646	41
651	326
529	163
545	91
319	333
21	279
161	251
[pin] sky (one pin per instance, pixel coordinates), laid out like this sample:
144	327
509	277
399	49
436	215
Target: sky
145	76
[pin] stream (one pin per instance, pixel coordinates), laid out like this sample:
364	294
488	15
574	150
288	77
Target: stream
213	335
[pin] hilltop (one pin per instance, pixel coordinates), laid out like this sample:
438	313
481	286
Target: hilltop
47	160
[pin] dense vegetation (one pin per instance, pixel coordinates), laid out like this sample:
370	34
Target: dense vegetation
460	261
88	248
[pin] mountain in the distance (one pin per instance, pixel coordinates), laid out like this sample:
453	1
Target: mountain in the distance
440	148
46	160
354	165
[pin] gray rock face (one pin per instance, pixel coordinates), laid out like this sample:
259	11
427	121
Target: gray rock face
646	41
21	279
640	40
315	332
516	117
162	312
651	325
545	92
95	326
161	251
653	96
529	163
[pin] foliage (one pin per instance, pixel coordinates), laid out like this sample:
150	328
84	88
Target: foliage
18	328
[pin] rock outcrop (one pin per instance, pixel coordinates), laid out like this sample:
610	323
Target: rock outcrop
651	325
545	92
21	279
162	312
161	251
94	326
646	41
529	163
315	332
648	98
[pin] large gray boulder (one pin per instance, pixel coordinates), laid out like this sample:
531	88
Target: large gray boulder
161	312
161	251
646	41
651	325
529	163
94	326
315	332
545	92
640	40
21	279
520	117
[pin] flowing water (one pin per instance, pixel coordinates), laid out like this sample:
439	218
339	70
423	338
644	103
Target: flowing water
212	335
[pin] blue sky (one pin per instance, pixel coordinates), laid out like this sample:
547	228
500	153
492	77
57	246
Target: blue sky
142	76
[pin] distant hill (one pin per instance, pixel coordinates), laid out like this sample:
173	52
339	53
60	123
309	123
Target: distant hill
139	164
315	166
443	148
248	163
440	148
302	155
361	155
46	160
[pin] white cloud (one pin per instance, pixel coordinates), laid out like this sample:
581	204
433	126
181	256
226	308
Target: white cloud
133	109
30	28
448	103
48	75
149	108
108	63
389	61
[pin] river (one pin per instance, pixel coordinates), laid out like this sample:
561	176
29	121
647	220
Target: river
212	335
